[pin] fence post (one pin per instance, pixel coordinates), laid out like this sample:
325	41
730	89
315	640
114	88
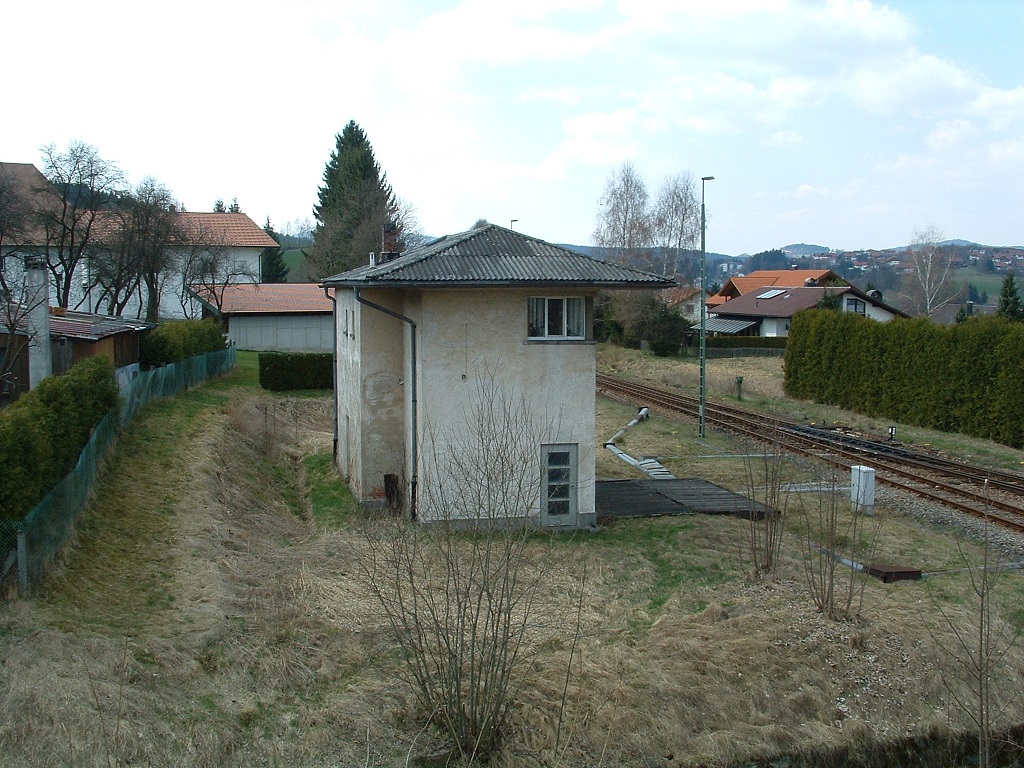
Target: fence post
22	562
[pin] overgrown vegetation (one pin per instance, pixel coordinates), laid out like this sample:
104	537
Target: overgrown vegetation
179	339
44	431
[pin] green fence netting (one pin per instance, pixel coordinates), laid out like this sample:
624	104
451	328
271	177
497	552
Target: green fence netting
46	528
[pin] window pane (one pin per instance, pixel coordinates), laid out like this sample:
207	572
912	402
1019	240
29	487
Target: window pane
558	458
536	316
575	325
556	317
558	475
558	492
558	507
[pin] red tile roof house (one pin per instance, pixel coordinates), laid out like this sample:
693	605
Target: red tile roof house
768	310
232	241
278	317
421	341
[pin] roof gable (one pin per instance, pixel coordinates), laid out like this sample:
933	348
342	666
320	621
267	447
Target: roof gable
776	302
492	256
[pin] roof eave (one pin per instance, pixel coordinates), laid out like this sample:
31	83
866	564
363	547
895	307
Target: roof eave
600	284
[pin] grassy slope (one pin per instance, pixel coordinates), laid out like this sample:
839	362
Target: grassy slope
205	619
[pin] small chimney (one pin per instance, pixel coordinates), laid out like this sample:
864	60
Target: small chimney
373	259
36	301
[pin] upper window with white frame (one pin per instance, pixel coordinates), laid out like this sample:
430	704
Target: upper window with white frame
856	305
557	317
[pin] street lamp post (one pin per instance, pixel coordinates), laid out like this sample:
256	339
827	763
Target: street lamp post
703	311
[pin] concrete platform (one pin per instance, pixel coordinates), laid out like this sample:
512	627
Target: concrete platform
686	496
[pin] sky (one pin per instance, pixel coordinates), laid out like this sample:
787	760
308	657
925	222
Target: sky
849	124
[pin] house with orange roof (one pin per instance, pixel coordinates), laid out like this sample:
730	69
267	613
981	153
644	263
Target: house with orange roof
768	310
773	278
210	248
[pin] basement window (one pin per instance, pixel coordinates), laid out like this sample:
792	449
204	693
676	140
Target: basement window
557	317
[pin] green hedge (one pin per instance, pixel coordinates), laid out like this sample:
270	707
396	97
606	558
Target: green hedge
282	371
180	339
961	378
743	342
43	433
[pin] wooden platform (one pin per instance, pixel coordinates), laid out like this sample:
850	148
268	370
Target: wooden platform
687	496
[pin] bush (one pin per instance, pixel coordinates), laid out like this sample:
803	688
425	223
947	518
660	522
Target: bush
180	339
43	433
740	342
282	371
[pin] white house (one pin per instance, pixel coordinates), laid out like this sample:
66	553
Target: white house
425	339
211	248
769	310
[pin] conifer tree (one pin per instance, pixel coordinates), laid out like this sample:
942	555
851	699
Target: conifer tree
1010	305
272	266
356	204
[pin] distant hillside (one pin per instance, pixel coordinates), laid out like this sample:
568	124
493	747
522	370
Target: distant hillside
803	249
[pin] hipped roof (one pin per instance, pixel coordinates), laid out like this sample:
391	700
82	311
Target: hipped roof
495	256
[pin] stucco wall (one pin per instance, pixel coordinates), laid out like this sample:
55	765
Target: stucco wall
472	337
463	338
309	332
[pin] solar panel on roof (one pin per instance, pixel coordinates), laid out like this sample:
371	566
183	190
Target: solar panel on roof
772	293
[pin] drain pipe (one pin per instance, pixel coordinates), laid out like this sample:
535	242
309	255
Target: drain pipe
334	366
412	391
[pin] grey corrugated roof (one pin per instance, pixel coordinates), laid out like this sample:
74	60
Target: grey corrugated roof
725	325
493	255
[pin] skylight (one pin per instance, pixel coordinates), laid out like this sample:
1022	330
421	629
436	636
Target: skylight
772	293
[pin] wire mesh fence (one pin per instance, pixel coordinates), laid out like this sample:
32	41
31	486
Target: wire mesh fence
28	547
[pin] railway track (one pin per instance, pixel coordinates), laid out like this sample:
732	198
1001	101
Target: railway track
970	489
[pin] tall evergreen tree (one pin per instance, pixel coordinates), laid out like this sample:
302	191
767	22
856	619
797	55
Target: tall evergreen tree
1010	305
272	266
356	204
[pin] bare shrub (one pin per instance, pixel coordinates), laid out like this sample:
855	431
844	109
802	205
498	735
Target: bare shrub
977	648
461	592
766	476
835	545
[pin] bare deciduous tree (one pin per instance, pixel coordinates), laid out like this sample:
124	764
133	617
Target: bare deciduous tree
82	184
209	265
675	223
927	286
623	219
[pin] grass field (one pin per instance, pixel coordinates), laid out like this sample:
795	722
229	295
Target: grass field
296	262
214	612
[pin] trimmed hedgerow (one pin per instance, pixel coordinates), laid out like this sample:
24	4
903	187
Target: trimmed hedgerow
43	433
961	378
180	339
744	342
282	371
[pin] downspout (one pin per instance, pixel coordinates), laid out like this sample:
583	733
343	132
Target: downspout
412	392
334	367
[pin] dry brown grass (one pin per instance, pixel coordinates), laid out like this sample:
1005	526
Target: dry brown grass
204	621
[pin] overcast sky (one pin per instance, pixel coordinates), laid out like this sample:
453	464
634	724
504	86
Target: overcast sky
845	124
